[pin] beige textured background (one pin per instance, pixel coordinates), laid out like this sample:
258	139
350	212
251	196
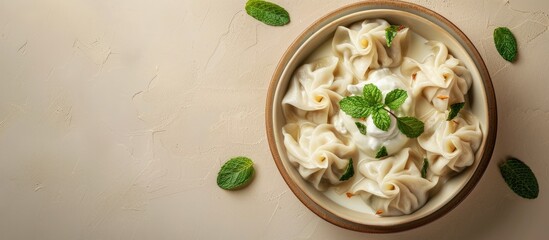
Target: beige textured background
115	117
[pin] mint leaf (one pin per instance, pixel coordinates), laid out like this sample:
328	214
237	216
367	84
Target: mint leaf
381	119
506	44
235	173
382	152
361	127
349	171
355	106
394	99
372	94
390	34
410	126
454	110
520	178
267	12
424	168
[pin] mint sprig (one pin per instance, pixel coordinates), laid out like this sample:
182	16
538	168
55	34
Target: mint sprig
454	110
235	173
267	12
382	152
349	171
520	178
370	103
506	44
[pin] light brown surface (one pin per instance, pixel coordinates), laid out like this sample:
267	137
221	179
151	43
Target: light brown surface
115	117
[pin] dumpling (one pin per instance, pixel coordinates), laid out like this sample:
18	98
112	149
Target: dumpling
394	186
311	94
451	145
319	152
363	46
441	78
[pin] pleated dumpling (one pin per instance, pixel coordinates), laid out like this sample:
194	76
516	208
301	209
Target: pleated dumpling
451	145
441	78
363	46
312	94
319	152
394	185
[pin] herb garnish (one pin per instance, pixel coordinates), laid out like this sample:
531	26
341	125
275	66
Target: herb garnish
235	173
370	103
454	110
520	178
382	152
267	12
391	32
349	171
506	44
361	127
424	168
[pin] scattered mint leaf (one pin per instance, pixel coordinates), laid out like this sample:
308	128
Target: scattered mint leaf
424	168
361	127
506	44
390	33
382	152
381	119
355	106
267	12
520	178
235	173
349	171
454	110
394	99
372	94
410	126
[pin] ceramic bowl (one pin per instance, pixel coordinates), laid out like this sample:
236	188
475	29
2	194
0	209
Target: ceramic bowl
431	26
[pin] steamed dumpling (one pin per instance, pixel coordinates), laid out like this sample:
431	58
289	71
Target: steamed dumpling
319	152
441	78
363	47
311	94
394	186
451	145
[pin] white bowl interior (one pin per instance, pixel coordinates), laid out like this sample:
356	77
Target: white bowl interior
428	30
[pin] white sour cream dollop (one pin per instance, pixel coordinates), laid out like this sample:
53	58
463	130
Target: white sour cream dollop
376	138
